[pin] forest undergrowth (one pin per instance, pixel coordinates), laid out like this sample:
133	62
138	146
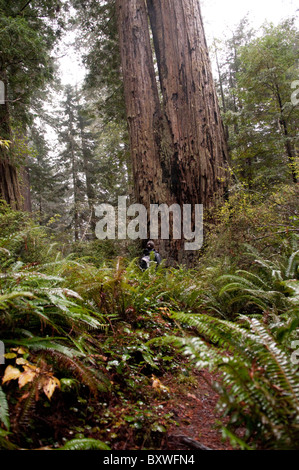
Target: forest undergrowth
101	355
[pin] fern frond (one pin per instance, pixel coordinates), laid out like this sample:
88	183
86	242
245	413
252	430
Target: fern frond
280	367
292	265
5	443
4	411
260	385
85	444
89	377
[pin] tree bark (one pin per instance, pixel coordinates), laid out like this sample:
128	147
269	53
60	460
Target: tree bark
75	190
9	181
25	189
288	147
221	91
142	102
178	146
190	101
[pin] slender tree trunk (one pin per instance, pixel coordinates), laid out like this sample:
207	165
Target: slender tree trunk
24	174
9	182
221	91
289	150
178	147
288	147
75	191
90	193
25	188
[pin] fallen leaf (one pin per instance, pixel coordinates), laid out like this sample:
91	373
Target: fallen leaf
19	350
21	361
158	385
10	355
27	376
50	383
11	373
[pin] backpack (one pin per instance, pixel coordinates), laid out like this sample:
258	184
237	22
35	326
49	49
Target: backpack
149	257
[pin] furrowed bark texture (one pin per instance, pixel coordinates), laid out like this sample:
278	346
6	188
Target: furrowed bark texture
9	179
9	183
142	101
178	146
197	167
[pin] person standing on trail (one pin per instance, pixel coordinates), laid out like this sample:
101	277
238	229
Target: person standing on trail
149	255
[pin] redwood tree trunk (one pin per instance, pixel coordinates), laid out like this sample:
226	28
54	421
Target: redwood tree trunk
9	181
190	101
178	146
142	102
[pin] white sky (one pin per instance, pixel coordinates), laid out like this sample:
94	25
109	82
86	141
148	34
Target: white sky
220	18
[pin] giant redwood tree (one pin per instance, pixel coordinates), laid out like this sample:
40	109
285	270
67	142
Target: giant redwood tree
178	148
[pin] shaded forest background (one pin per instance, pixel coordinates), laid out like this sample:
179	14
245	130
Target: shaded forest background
87	334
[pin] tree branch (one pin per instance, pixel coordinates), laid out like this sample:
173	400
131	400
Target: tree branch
24	7
188	441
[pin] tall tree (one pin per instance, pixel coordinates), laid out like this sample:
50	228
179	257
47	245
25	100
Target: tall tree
26	39
257	72
47	182
178	147
265	79
71	160
87	150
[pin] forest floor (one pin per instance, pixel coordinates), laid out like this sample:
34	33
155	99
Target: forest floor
193	408
179	413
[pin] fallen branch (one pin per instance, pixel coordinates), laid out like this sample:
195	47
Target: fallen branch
188	441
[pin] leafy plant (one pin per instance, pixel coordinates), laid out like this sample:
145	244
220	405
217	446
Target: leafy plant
270	286
85	444
4	412
259	390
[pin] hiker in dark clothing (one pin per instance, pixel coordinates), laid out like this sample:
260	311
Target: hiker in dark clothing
149	255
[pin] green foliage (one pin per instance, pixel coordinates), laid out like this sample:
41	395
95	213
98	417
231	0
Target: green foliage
269	223
256	72
4	412
89	319
259	388
21	239
26	59
85	444
84	323
98	35
270	287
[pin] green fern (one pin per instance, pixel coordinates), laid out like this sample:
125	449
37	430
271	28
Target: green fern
5	443
259	387
4	411
85	444
269	287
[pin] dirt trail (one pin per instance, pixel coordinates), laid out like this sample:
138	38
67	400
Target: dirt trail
193	408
